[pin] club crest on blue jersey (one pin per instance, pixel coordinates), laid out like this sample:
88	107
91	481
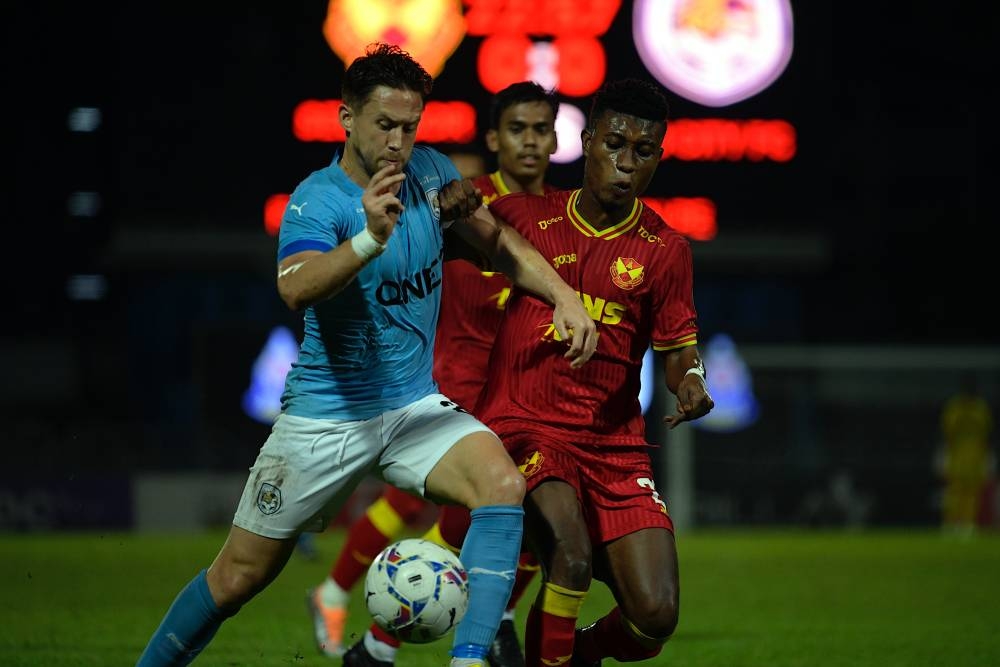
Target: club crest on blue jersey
432	199
268	498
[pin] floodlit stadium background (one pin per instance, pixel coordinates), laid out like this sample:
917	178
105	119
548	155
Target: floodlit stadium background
834	210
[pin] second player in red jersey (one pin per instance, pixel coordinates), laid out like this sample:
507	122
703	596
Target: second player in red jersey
635	279
592	508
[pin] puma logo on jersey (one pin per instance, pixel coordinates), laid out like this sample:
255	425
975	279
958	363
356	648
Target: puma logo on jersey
298	208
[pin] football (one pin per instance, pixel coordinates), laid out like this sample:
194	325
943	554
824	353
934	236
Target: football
416	590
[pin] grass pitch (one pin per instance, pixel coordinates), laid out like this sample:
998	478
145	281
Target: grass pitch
750	598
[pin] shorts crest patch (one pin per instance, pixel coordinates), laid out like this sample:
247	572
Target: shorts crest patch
532	464
268	498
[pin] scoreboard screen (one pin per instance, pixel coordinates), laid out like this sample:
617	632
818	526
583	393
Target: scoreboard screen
816	143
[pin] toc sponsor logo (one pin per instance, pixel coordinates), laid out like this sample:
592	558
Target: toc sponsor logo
652	238
559	260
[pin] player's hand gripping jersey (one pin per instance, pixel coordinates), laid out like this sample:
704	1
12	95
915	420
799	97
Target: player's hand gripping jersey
634	278
472	305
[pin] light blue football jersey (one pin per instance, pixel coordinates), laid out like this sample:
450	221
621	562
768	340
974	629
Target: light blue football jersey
370	348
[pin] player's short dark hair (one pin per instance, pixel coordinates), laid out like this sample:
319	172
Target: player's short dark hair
384	65
633	97
519	93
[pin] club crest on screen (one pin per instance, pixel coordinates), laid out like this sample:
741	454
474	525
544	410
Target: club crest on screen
714	52
429	30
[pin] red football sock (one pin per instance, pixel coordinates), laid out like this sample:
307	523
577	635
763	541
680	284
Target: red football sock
548	637
381	523
613	636
453	523
384	636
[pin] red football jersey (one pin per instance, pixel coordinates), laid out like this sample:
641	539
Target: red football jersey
472	304
635	279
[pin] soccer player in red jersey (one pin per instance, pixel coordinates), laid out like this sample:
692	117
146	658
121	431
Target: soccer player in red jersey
522	134
592	509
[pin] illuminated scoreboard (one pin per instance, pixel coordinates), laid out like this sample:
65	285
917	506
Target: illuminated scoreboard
216	134
710	53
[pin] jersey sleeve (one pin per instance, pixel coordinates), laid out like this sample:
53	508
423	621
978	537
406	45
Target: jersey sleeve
426	159
445	167
311	221
676	322
511	209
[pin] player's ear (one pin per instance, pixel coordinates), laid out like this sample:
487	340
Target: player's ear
585	136
492	141
346	118
555	142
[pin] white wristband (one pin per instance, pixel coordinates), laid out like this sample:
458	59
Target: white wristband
696	370
365	245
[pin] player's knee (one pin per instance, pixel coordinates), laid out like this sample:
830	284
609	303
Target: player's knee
572	565
510	487
655	617
233	586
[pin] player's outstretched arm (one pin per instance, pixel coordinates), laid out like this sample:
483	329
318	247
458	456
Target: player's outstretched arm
511	254
310	276
685	375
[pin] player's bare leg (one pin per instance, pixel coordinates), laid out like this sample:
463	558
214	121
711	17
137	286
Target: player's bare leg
648	599
245	565
557	533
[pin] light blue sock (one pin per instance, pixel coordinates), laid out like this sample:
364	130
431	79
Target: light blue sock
188	626
489	554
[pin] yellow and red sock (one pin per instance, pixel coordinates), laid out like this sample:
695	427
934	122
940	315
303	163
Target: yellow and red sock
548	638
434	535
384	636
382	522
453	522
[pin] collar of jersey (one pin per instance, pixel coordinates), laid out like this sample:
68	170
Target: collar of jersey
341	179
612	232
498	183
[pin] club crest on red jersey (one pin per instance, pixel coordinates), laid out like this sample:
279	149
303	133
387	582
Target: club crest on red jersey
626	272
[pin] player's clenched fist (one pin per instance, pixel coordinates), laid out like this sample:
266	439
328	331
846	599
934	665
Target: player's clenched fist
459	199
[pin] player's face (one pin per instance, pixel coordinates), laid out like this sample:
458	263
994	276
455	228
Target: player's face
621	157
524	140
381	132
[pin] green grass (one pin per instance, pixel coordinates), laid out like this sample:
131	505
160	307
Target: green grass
749	599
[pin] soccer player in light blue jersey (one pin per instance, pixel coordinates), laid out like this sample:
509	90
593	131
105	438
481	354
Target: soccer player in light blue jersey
360	253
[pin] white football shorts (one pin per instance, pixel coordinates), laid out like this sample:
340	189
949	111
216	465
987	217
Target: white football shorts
308	468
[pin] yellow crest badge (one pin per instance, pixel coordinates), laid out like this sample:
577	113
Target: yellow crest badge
429	30
626	272
532	464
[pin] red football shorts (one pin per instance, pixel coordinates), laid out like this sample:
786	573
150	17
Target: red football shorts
614	484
